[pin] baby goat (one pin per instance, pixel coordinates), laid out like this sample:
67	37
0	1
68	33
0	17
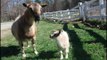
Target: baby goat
62	42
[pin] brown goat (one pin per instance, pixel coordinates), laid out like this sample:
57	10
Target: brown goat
24	28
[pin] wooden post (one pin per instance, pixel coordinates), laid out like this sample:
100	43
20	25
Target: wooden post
85	10
102	10
43	16
68	14
82	13
52	15
56	14
61	15
80	9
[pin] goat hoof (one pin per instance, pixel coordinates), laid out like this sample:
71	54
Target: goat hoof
61	58
36	52
28	46
66	57
24	57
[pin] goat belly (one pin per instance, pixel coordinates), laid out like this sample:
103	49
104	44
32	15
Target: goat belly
63	45
62	42
30	34
26	36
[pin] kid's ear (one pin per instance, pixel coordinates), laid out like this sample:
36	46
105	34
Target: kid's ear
44	5
61	30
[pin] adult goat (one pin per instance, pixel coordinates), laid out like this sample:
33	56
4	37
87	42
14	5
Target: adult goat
24	28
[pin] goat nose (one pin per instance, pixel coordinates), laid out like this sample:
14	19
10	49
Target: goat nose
37	18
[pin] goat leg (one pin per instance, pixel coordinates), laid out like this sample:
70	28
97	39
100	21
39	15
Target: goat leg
33	46
27	44
61	55
22	49
66	53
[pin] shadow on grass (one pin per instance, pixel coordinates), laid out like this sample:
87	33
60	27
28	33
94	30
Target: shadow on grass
76	26
99	39
44	55
77	47
9	51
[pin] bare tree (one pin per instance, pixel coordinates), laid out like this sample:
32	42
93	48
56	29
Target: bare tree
11	8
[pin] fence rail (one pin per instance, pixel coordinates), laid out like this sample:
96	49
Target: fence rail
84	10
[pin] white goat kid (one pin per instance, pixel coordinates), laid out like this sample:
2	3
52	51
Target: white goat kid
62	42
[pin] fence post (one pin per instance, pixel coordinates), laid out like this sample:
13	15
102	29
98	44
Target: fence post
68	14
61	15
56	15
43	15
102	10
86	10
82	9
52	15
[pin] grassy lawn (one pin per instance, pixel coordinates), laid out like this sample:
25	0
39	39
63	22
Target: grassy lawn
86	43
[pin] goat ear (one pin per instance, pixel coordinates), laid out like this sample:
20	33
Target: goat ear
24	4
43	5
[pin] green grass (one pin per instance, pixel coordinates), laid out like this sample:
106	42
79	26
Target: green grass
86	43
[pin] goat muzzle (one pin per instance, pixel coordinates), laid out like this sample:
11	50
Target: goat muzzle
37	18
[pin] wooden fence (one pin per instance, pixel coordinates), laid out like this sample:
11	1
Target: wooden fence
86	10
